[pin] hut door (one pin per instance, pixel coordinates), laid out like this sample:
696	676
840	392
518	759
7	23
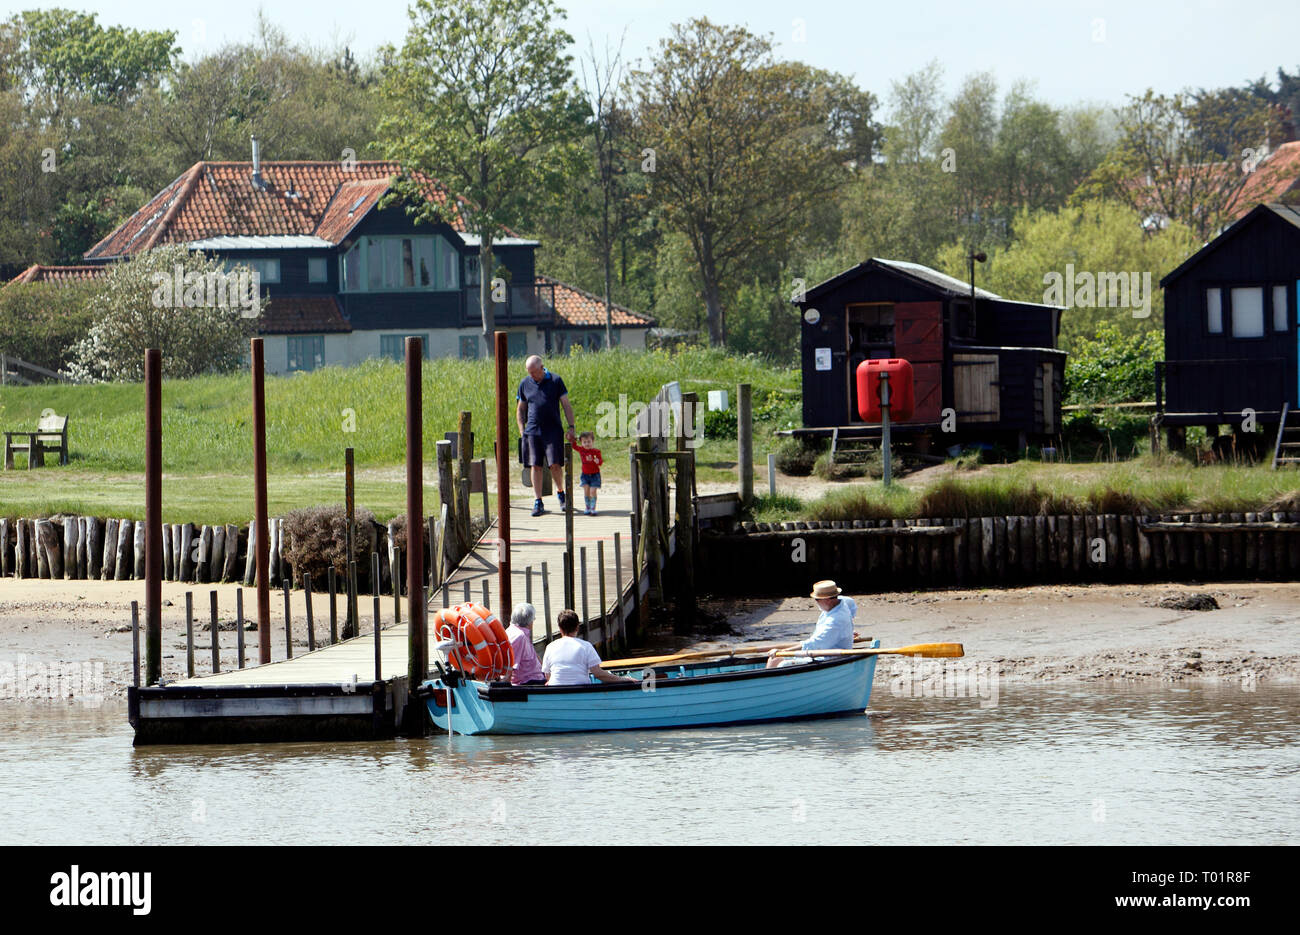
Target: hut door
976	393
918	339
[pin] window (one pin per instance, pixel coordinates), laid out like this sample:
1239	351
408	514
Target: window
469	347
269	270
1281	320
394	264
1214	310
517	344
591	340
471	270
393	346
306	352
316	269
1248	312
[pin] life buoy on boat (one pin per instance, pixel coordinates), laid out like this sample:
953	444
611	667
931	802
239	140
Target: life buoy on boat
482	647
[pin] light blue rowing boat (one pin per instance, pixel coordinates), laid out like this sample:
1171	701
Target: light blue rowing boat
730	691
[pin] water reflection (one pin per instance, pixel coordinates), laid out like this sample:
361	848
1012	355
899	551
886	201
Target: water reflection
1077	764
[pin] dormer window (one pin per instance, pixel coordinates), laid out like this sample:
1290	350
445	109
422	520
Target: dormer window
400	264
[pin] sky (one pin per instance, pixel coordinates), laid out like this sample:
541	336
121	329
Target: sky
1074	52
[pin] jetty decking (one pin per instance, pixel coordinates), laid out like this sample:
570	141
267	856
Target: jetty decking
346	691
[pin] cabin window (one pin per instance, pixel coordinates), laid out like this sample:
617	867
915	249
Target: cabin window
316	269
1214	310
1248	312
399	264
393	346
306	352
268	270
1280	318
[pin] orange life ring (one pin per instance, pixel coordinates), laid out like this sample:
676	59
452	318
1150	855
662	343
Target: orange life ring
483	649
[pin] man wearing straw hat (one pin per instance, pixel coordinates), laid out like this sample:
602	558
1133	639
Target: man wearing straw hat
834	629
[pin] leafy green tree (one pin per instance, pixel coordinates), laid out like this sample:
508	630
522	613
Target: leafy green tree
478	93
1113	367
202	326
38	321
739	148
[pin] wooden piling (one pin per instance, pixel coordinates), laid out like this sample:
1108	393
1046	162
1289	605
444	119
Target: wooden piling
396	563
447	497
288	623
528	584
94	552
568	526
546	600
230	554
311	619
487	597
352	624
503	417
260	521
745	441
331	579
618	588
239	624
582	561
6	565
108	560
135	643
189	633
374	585
215	624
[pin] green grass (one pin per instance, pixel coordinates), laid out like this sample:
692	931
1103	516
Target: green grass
207	429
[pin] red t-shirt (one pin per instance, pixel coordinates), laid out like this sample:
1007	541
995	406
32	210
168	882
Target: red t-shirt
591	459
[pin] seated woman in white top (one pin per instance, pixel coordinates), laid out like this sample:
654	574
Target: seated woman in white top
571	661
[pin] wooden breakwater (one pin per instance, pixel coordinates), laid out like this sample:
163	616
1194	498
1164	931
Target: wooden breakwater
892	555
80	548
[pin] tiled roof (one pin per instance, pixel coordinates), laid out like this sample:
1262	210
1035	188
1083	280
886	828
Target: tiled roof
581	309
312	314
218	199
59	274
1274	177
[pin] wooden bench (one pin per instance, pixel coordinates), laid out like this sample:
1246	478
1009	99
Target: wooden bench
51	435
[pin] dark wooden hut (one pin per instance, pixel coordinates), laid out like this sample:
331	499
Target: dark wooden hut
1230	330
993	370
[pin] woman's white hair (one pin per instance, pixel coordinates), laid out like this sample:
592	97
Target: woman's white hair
523	616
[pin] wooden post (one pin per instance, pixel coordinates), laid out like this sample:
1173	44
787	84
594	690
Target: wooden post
745	441
487	592
686	542
501	345
600	583
288	624
311	618
352	625
374	587
568	525
216	628
331	580
397	580
546	600
618	587
239	624
189	633
582	561
487	515
528	584
152	517
135	643
262	535
464	455
447	495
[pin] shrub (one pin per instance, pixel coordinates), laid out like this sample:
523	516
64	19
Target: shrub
796	457
315	539
204	329
859	503
39	321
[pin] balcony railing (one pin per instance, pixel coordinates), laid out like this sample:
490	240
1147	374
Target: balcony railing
533	304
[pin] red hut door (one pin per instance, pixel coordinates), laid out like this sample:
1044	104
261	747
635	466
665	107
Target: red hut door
918	338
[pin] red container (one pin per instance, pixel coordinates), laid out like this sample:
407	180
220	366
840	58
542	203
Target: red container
901	390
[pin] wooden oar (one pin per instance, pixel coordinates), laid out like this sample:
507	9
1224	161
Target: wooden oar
702	654
928	650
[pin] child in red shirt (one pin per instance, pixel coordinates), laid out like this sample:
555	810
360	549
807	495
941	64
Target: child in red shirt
591	462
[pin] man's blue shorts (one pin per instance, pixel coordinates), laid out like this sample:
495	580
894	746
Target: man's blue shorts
541	450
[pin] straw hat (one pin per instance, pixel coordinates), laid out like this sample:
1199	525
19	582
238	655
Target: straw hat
824	590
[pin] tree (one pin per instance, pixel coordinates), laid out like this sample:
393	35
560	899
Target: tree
1170	165
739	148
196	311
477	94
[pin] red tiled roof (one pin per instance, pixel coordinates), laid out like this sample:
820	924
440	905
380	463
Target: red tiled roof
349	205
59	274
311	314
1275	176
216	199
581	309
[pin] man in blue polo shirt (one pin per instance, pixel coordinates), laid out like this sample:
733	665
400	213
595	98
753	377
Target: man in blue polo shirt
541	394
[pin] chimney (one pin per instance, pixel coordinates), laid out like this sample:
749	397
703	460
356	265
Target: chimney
258	182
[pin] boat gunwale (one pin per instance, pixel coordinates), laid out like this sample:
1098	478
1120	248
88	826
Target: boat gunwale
519	693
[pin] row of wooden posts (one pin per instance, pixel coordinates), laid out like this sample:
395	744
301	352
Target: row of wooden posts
888	555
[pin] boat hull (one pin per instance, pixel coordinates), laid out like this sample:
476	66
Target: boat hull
695	696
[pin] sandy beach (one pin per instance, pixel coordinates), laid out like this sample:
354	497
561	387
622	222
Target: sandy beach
1079	633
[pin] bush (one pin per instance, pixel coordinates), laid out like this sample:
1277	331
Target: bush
315	540
39	322
1113	367
203	329
796	457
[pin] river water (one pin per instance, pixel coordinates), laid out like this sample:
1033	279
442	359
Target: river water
1077	764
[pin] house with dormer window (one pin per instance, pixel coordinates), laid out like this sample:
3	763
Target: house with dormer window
348	280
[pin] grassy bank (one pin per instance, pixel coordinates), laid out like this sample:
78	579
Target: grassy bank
1147	484
313	417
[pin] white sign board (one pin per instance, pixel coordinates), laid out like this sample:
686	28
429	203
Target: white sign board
822	358
717	400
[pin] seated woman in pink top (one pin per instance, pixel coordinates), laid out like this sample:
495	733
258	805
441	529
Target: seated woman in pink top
527	670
